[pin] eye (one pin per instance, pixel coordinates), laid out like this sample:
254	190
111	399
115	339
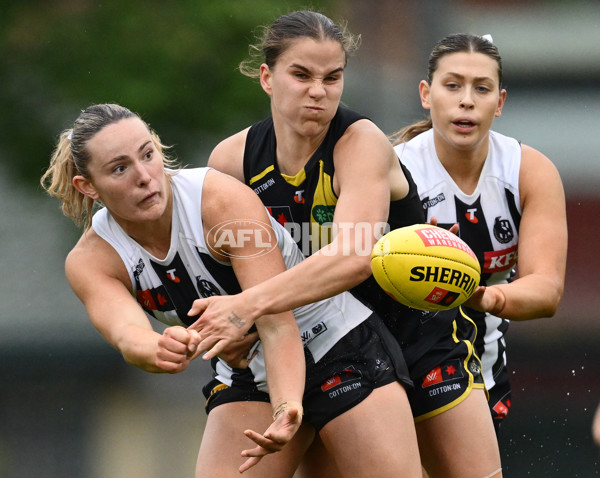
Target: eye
148	154
483	89
300	75
452	86
332	79
118	169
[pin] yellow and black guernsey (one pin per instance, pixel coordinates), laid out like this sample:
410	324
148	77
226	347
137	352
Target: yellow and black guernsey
305	205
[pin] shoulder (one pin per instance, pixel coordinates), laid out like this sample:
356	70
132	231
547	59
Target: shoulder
537	171
93	258
416	152
189	177
364	153
346	116
531	158
365	133
533	161
222	192
228	155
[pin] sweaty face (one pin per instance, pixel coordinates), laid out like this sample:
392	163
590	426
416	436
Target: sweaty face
127	173
306	84
464	98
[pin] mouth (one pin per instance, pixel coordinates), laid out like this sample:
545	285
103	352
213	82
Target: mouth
464	124
149	198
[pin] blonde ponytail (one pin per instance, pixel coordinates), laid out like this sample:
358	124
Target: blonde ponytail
57	181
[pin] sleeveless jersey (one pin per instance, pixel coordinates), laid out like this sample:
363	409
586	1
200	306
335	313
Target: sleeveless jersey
305	204
488	219
165	288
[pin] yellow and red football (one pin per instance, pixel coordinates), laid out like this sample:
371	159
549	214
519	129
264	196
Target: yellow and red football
425	267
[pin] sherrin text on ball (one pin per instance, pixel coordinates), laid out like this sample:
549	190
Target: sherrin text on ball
425	267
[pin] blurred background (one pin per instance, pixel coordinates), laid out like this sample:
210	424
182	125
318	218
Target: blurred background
69	405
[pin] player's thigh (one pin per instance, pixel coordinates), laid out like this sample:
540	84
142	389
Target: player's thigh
460	442
375	438
223	441
317	462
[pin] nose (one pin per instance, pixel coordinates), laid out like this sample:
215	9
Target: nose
317	89
466	101
142	175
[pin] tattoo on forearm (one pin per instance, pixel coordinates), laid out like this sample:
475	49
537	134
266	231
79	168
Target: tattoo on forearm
235	320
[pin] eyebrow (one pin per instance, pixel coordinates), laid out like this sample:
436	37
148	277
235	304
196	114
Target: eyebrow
303	68
123	156
462	77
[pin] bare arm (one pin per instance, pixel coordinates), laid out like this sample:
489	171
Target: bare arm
364	162
255	259
542	247
98	277
596	426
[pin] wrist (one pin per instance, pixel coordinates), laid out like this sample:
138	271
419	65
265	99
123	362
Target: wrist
284	405
259	301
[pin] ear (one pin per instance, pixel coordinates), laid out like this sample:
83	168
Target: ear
501	102
265	79
424	94
85	187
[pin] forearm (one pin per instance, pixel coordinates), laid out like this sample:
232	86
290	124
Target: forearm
284	359
531	297
138	346
318	277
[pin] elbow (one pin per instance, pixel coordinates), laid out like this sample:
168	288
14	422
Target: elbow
552	302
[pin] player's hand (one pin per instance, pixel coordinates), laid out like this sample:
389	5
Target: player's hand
177	347
487	299
223	320
275	437
237	354
454	229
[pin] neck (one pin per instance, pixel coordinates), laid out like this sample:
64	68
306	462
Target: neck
154	236
463	165
294	150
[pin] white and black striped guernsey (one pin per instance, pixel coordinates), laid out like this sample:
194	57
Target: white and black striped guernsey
165	288
489	221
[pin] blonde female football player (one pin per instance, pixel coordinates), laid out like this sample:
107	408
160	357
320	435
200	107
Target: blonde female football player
165	237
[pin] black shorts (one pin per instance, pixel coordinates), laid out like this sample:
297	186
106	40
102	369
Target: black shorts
500	397
452	371
366	358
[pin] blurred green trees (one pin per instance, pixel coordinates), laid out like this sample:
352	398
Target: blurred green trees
172	62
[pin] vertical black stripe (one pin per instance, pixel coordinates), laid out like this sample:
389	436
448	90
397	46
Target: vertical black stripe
222	273
179	287
513	208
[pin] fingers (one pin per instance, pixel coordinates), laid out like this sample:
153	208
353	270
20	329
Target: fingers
249	463
177	346
265	444
274	439
476	299
198	306
194	340
434	222
213	346
249	339
265	447
236	354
